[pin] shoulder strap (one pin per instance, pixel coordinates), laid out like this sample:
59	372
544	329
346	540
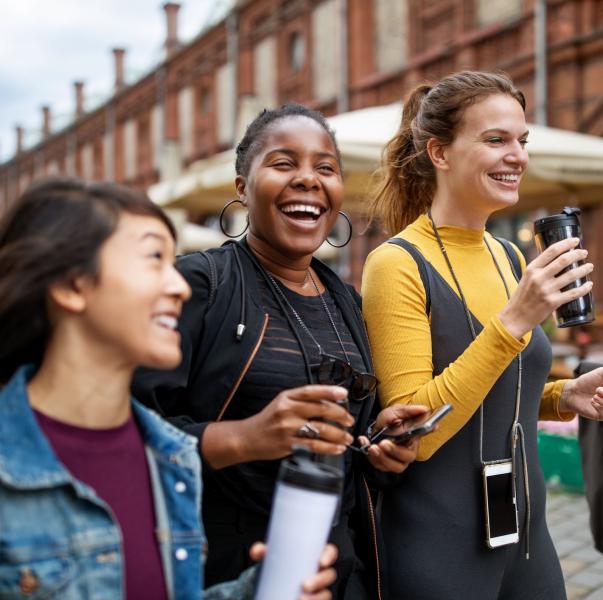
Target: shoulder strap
420	260
512	256
213	276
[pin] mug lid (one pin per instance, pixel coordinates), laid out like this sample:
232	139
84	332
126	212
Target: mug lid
301	471
568	216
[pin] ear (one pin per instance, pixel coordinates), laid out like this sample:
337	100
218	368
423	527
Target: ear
437	154
241	187
69	295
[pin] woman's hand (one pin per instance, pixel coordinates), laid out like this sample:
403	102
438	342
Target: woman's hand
269	434
584	395
539	291
315	587
385	455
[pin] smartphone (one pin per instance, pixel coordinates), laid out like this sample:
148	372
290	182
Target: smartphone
422	426
501	507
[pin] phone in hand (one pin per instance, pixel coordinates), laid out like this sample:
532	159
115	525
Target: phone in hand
424	425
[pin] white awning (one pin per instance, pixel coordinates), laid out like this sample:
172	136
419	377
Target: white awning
565	167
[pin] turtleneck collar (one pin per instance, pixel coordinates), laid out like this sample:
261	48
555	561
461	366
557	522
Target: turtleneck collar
451	235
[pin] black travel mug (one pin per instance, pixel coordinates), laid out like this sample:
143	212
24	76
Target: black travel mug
304	504
553	229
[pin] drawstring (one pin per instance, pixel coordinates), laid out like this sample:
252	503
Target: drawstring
241	326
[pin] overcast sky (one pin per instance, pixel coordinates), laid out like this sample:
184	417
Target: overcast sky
46	45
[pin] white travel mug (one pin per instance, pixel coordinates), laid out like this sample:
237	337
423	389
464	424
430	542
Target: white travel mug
305	500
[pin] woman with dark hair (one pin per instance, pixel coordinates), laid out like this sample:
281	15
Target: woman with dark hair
268	322
99	497
453	317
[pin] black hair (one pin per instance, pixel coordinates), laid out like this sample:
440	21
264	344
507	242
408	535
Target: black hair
52	233
255	133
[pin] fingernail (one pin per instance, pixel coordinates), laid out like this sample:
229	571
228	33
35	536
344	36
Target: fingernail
349	439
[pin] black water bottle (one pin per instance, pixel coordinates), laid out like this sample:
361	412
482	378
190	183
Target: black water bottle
553	229
305	500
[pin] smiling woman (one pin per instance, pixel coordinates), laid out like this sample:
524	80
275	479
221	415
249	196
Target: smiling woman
88	292
276	355
453	318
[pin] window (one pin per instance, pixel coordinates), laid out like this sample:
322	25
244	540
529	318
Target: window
264	72
325	50
494	11
390	34
296	51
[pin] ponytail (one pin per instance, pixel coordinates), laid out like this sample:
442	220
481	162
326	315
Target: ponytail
407	175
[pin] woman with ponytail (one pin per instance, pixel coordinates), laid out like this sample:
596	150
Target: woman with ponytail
453	318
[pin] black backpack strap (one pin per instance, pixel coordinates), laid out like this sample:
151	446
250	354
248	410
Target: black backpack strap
213	276
420	260
512	256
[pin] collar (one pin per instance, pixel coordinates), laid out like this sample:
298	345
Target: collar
27	460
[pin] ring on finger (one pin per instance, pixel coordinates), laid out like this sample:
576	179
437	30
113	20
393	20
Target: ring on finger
307	430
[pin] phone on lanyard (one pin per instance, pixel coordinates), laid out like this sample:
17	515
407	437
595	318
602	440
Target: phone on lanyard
500	504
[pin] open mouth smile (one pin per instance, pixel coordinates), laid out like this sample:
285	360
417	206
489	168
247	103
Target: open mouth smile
166	321
301	211
509	178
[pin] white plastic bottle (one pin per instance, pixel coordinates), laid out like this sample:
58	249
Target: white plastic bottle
305	500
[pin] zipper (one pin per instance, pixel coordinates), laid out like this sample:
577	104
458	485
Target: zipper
245	368
368	343
374	532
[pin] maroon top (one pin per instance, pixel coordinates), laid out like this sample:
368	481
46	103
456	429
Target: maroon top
113	463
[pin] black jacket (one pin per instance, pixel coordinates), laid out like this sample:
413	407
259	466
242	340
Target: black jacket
222	327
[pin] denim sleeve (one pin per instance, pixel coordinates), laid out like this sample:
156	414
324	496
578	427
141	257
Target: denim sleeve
241	589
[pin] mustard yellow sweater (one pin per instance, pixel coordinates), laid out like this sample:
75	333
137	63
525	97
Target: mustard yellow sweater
399	329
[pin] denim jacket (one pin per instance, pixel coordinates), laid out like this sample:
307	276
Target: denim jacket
58	539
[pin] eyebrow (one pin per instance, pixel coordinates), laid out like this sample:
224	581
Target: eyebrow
498	130
292	153
153	235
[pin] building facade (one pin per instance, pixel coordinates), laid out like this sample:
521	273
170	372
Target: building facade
333	55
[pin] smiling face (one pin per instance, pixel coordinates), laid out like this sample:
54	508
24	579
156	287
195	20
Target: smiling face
483	166
294	188
132	308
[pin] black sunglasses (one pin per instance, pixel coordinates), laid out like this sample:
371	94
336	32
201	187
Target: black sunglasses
335	371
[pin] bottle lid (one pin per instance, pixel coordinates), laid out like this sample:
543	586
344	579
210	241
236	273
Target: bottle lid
567	217
301	471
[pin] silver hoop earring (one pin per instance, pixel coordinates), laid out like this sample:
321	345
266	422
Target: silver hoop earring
349	235
223	212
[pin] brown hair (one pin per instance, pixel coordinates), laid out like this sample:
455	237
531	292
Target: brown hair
407	175
53	232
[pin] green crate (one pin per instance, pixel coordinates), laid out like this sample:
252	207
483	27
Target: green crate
560	460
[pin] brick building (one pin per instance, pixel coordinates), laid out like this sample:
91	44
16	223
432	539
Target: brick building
334	55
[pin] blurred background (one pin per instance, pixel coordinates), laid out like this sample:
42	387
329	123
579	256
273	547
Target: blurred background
156	96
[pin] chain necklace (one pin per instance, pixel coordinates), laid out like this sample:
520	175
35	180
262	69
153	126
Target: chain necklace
278	289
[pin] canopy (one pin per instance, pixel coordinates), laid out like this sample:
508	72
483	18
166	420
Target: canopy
565	167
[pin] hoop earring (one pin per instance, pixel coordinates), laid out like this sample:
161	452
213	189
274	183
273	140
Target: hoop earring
349	235
223	212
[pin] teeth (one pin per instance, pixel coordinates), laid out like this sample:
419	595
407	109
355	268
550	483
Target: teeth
506	177
307	208
167	321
